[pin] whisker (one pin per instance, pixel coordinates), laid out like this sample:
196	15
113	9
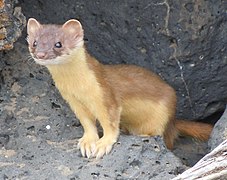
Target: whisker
27	38
29	60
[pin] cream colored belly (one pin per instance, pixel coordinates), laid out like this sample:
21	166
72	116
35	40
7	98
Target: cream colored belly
144	117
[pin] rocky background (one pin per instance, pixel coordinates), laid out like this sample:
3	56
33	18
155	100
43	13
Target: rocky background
12	22
183	41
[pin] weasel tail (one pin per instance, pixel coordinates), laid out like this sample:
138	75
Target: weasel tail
197	130
126	97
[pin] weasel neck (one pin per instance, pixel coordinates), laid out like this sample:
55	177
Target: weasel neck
77	70
74	61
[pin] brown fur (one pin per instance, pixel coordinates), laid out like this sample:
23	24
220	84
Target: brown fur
126	96
197	130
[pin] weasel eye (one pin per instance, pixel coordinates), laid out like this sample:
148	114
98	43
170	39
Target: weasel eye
34	43
58	45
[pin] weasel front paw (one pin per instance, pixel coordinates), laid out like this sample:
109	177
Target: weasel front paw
87	145
103	146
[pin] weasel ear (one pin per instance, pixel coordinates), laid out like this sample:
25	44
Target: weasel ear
73	28
33	26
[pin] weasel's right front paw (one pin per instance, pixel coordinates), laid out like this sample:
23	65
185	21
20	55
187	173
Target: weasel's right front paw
87	144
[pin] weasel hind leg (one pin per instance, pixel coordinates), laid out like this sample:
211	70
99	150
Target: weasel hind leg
170	134
149	119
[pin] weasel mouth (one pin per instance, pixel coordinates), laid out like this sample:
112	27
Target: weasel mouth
43	56
52	61
43	59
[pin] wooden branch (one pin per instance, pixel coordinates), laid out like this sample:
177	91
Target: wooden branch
211	166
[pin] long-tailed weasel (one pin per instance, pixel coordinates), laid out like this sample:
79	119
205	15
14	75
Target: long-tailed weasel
118	96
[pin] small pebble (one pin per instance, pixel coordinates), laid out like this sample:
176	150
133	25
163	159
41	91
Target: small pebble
48	126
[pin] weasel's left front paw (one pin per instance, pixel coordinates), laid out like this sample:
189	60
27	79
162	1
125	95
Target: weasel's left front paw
103	146
87	144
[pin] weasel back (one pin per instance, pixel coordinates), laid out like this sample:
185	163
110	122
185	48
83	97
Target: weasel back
148	103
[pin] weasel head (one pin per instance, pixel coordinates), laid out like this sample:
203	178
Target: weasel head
51	44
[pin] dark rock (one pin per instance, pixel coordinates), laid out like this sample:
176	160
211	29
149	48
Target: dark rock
59	161
219	133
4	139
128	161
182	41
12	22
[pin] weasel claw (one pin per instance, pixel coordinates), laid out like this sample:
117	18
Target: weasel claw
87	146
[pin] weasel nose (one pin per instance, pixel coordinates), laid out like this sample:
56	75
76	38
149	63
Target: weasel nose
40	55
